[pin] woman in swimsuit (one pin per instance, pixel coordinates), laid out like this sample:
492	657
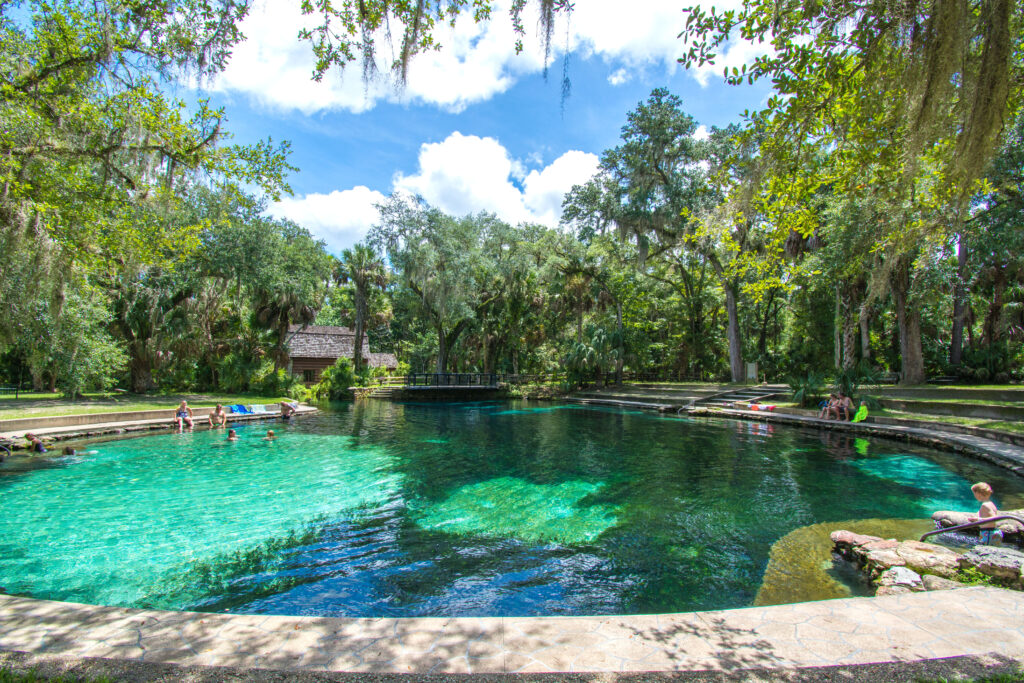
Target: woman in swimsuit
183	416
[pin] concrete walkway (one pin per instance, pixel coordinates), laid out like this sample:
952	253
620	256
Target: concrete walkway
79	431
916	626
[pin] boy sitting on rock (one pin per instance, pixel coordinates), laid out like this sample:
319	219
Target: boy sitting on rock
983	494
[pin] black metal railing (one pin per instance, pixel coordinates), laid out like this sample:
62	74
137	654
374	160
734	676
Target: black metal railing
985	520
451	379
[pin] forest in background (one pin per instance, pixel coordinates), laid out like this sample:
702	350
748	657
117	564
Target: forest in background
861	220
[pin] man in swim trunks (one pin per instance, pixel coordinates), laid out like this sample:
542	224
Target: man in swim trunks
217	417
287	409
183	416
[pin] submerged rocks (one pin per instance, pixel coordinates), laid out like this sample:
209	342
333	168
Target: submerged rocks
801	567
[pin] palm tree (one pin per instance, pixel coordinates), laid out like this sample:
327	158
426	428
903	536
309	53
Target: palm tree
277	308
361	266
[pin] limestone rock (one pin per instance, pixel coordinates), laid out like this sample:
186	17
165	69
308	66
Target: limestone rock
881	544
999	562
877	561
851	538
928	558
892	590
937	583
901	576
948	518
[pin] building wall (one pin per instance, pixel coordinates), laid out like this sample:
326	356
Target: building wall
310	368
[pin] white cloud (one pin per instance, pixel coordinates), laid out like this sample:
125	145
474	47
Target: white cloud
463	174
476	62
702	133
467	174
619	76
340	218
544	190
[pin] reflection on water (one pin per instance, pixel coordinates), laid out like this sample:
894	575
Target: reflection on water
483	508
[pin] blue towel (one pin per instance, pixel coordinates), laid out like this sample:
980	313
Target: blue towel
240	409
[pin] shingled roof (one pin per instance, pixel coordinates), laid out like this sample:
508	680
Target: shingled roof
322	341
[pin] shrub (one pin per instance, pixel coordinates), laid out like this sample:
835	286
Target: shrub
807	389
335	381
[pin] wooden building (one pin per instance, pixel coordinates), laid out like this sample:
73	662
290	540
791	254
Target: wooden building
313	348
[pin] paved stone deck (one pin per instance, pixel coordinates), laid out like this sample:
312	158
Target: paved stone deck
917	626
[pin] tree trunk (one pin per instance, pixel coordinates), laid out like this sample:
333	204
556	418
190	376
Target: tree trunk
282	337
849	327
357	351
735	346
990	326
619	359
864	320
956	343
442	350
141	371
733	323
837	333
909	322
446	342
762	341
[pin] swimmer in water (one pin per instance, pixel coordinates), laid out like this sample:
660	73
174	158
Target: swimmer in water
232	435
270	435
35	444
68	450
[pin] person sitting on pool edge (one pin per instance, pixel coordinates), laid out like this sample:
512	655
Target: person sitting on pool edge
183	416
987	533
217	417
844	407
232	435
35	444
826	407
287	409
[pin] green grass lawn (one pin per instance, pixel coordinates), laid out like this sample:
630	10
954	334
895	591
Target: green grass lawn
51	405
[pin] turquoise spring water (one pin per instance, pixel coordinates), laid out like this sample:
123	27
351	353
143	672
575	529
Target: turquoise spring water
382	509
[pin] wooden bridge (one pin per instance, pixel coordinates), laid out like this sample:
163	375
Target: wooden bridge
438	386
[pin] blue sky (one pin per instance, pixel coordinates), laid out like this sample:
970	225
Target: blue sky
476	128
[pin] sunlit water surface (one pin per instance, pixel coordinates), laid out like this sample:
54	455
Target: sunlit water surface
383	509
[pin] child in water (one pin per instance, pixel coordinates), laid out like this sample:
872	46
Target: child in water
270	435
232	435
987	532
68	450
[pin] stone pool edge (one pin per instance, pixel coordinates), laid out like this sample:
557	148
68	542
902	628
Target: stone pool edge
977	621
998	453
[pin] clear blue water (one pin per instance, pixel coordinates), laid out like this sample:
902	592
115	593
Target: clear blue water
383	509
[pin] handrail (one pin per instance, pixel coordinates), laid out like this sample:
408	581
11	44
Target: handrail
986	520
